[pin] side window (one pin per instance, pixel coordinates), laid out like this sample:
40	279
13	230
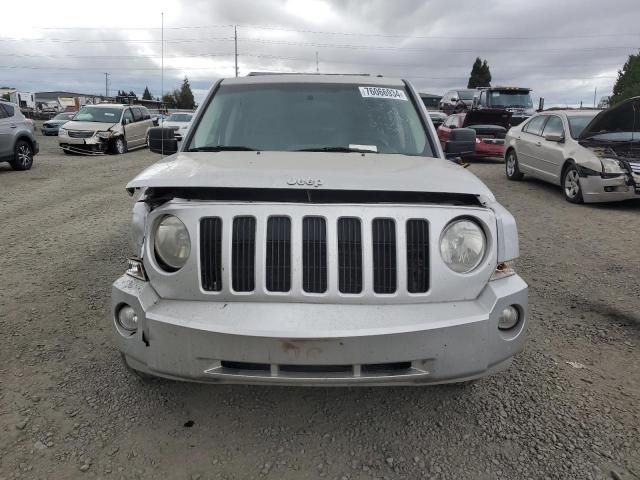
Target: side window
554	126
128	116
145	114
534	126
137	114
8	110
483	98
3	114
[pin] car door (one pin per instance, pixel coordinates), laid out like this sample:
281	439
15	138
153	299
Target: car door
550	151
6	133
527	142
129	127
139	128
147	122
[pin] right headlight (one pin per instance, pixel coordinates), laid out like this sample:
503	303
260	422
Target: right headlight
463	245
611	166
172	243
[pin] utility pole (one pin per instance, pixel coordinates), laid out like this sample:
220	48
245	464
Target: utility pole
162	78
235	38
106	84
317	63
595	91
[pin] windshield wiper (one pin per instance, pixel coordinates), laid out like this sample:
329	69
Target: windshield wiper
337	149
222	148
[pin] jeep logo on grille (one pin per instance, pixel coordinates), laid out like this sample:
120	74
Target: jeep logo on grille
304	182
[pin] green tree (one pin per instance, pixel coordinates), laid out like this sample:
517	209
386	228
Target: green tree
480	74
628	82
147	94
185	96
169	99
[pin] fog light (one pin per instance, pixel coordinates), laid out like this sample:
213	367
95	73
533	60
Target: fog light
127	318
509	318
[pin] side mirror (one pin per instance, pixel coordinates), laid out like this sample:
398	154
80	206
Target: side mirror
163	140
461	143
554	138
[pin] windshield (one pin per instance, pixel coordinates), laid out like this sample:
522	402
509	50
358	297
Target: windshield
510	99
466	94
180	117
64	116
431	102
578	122
98	114
307	116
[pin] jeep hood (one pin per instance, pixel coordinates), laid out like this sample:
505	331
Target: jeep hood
322	171
623	117
501	118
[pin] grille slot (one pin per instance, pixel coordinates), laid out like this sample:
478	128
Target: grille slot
384	255
278	261
79	134
211	254
314	254
417	256
243	254
349	255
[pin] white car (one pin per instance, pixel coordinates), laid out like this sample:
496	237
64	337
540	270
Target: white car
594	155
295	238
178	121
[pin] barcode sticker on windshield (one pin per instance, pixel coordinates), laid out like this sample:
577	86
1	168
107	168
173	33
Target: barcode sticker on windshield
381	92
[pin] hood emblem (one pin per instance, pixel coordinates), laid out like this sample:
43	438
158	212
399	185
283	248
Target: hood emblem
304	182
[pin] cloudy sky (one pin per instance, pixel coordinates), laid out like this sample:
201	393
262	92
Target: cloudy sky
563	49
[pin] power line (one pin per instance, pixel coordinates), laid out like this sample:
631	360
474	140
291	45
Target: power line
217	68
358	34
324	45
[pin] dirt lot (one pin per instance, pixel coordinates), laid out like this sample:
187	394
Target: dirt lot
68	408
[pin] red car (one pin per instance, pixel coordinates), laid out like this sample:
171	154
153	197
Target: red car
490	126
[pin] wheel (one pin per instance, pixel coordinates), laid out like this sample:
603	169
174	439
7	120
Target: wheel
571	185
119	146
511	166
23	156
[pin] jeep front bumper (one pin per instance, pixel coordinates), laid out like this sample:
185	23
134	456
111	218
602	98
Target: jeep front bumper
319	344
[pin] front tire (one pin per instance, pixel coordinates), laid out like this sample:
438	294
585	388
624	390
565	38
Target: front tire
119	146
512	169
23	156
571	185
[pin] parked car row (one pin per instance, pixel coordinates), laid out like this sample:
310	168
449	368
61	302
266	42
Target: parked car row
593	155
18	144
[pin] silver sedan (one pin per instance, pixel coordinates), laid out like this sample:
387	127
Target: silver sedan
594	155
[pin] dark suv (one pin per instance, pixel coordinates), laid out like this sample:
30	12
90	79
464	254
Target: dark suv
514	100
457	101
18	143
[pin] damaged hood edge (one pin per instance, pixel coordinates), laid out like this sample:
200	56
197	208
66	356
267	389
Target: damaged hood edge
315	170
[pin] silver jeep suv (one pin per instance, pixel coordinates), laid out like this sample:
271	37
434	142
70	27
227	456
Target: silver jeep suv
18	143
310	231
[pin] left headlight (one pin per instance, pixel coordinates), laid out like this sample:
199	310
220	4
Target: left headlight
172	243
463	245
609	165
62	131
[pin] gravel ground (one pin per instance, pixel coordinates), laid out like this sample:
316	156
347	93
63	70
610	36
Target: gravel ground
68	408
